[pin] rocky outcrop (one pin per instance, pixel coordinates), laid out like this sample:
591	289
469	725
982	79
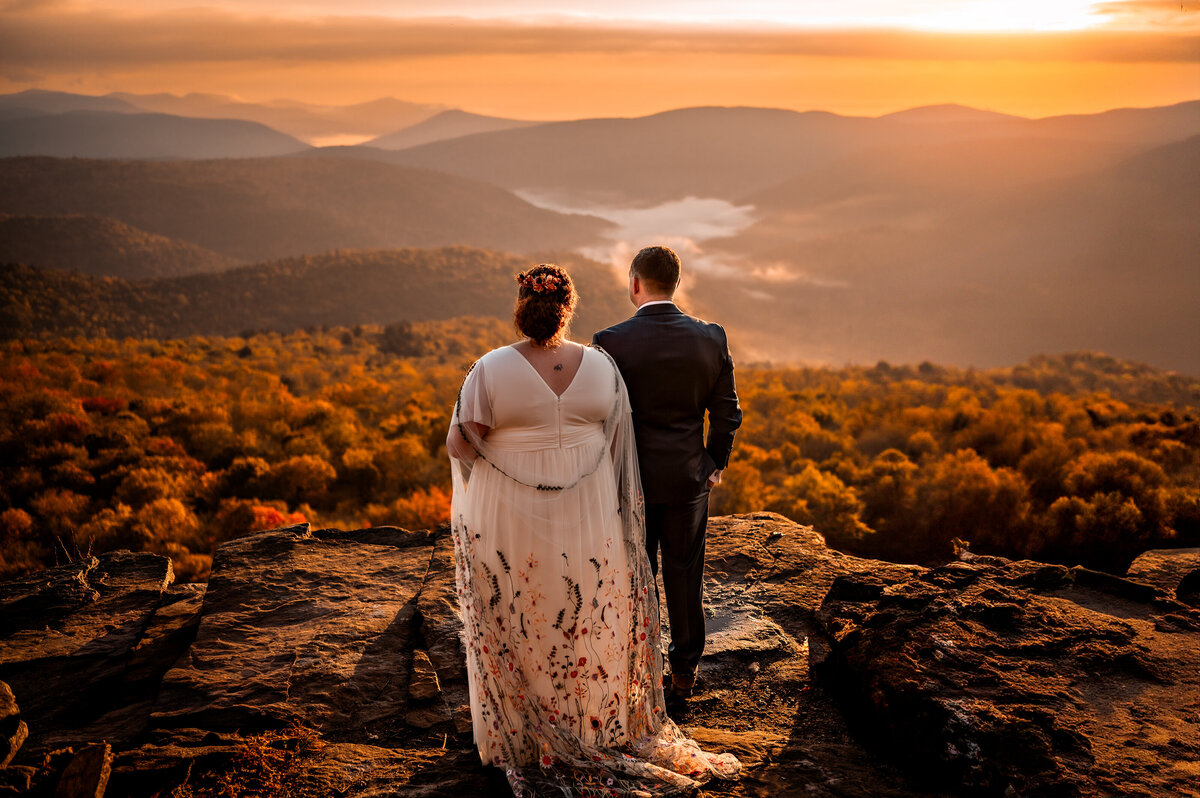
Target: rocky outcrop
827	674
1020	678
1175	571
13	730
87	774
66	636
301	627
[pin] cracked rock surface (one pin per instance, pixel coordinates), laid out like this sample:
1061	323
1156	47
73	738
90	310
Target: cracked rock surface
828	675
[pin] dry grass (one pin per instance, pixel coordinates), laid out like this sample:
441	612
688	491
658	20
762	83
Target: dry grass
265	766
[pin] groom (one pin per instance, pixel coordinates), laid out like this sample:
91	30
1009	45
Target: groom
677	368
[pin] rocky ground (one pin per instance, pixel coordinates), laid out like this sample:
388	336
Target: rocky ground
327	663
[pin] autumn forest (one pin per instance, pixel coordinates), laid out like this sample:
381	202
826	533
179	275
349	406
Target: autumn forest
175	446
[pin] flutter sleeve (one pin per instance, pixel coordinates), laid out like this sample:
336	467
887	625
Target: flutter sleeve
474	402
471	419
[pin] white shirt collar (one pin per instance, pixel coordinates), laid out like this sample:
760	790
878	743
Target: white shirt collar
657	302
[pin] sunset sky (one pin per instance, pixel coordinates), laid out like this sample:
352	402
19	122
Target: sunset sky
541	60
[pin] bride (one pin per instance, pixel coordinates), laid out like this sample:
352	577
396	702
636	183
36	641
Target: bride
560	619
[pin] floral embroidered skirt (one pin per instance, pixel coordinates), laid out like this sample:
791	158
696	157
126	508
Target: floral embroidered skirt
553	597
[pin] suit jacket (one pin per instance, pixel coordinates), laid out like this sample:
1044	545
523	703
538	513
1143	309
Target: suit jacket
677	368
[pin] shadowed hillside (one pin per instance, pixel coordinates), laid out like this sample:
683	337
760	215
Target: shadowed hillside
258	209
974	253
101	247
338	288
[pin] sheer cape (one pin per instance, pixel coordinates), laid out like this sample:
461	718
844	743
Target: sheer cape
654	757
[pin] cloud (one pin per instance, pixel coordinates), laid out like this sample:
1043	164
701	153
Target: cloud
17	74
26	6
33	38
1155	14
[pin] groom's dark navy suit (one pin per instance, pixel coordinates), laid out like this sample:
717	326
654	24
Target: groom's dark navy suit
677	369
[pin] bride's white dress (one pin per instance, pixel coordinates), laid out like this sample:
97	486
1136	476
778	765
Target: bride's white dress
560	622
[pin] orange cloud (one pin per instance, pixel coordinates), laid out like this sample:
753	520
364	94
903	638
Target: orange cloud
564	70
100	39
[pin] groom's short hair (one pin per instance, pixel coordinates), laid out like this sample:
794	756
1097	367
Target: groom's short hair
658	268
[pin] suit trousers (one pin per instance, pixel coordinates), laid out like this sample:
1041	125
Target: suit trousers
679	531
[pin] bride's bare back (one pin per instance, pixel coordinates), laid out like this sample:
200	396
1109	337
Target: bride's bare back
557	366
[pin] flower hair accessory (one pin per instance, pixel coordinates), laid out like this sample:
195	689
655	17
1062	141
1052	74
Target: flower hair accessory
541	283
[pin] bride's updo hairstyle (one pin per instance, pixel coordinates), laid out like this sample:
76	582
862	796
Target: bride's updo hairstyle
546	302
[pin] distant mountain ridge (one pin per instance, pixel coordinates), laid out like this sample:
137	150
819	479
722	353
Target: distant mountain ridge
446	125
301	120
307	121
707	152
108	134
942	114
258	209
34	102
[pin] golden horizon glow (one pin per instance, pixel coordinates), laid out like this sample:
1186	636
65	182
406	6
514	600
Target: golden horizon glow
942	16
1013	16
962	16
537	61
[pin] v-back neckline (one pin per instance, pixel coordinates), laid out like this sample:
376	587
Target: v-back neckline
542	379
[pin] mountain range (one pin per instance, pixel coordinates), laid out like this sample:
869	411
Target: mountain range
308	121
732	152
949	233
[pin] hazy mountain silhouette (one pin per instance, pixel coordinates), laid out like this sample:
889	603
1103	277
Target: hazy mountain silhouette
945	114
306	121
1128	128
446	125
1147	126
339	288
102	134
101	247
37	102
730	152
256	209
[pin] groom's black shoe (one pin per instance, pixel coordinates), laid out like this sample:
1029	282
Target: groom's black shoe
679	686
